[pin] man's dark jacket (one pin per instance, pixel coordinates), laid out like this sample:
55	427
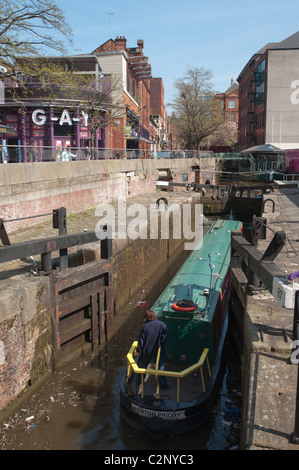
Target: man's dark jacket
152	335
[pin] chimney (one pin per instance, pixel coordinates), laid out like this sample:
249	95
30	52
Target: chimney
139	46
120	43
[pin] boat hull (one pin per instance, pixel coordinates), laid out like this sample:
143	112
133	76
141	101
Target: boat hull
163	418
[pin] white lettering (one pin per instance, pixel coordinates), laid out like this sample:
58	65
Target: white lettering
39	117
115	460
160	414
137	228
184	459
65	118
85	117
295	353
197	234
108	213
294	95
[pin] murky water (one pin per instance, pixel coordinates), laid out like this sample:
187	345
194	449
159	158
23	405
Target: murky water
78	408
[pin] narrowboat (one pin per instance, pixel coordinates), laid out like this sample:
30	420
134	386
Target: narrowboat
194	306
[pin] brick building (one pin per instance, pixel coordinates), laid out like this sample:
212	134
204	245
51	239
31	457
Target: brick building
269	104
229	102
144	122
158	113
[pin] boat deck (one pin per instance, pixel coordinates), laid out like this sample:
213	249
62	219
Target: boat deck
189	386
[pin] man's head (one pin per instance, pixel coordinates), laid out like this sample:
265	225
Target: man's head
150	315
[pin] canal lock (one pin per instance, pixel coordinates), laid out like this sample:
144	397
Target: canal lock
77	407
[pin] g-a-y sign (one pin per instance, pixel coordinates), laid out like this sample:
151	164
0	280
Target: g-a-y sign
39	118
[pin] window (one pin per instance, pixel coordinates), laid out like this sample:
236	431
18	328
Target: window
231	117
231	104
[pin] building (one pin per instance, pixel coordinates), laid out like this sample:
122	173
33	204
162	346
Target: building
158	114
229	102
42	127
269	96
225	138
39	121
143	126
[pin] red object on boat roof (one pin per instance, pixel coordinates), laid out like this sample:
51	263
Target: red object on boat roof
143	303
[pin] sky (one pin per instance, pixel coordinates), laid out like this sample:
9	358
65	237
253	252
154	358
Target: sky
219	35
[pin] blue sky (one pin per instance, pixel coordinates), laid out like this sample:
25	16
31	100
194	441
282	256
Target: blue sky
218	35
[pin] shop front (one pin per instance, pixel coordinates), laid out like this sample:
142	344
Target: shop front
43	133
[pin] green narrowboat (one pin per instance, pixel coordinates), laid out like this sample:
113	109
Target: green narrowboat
194	306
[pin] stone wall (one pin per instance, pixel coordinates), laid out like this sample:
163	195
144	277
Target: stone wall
38	188
25	336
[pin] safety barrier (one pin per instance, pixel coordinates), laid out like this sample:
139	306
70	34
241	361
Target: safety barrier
33	154
133	367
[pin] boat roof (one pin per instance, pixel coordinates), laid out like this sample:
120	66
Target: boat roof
204	269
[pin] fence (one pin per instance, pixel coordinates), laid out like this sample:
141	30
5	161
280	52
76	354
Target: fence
31	154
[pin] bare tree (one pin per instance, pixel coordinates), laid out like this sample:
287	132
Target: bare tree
30	28
98	97
196	111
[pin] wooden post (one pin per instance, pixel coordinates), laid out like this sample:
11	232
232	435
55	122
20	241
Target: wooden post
60	222
236	259
102	319
3	234
94	320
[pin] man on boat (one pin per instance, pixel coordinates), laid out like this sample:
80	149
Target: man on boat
153	334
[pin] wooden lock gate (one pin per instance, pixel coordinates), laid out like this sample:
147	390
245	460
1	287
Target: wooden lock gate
82	297
83	308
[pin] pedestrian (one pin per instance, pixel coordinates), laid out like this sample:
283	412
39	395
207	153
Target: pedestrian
87	153
67	155
293	276
153	334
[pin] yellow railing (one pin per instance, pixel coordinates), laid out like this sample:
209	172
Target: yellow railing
133	367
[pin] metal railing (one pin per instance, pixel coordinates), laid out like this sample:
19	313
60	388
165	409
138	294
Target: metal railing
291	177
33	154
133	368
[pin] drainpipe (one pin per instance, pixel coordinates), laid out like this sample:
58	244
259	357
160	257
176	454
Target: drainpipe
77	129
52	142
23	135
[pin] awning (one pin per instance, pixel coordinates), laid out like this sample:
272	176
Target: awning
266	148
139	138
128	111
7	129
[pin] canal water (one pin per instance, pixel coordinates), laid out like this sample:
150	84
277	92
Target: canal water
78	408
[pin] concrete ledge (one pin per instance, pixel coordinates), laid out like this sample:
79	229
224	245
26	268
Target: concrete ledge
269	379
16	173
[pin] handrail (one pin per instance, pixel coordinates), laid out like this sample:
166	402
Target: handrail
133	367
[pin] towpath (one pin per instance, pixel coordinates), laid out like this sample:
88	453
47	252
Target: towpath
269	414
